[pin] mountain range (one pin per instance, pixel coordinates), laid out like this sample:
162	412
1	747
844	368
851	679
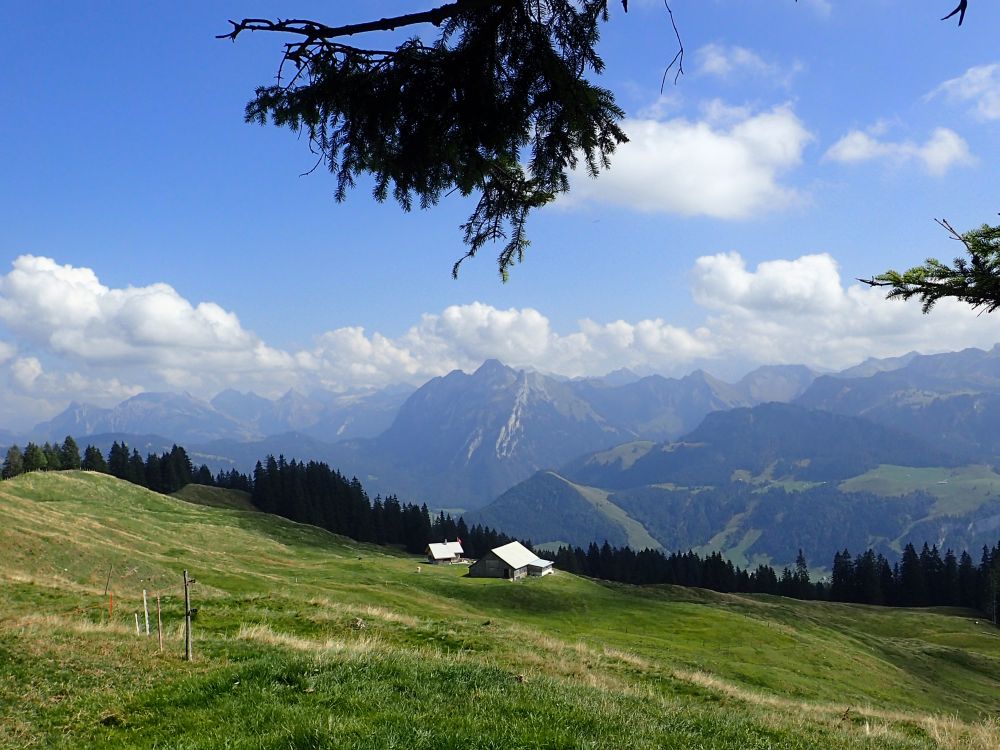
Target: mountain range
468	440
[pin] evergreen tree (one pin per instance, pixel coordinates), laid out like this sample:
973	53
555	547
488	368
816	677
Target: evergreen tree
842	586
93	460
135	471
912	586
53	457
435	117
118	460
70	454
13	464
966	581
34	458
154	474
802	588
204	476
949	580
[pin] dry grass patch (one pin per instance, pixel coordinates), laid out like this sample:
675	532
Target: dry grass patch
261	633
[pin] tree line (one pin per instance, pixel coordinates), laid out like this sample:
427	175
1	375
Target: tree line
310	493
165	472
919	579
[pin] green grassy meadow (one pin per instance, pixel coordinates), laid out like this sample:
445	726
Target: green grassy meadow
307	640
957	490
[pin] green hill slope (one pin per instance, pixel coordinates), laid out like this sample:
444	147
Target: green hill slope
549	508
307	640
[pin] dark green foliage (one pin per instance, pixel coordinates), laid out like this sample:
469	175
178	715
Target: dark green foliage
135	471
69	454
118	460
53	457
974	279
868	580
498	105
93	460
34	458
13	463
679	568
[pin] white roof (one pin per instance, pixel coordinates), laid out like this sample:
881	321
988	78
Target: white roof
515	554
538	562
444	550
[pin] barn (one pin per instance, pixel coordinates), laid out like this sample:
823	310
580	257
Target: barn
511	561
443	553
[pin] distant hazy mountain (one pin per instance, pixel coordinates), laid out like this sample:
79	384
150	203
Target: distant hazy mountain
181	417
461	439
872	365
757	483
775	383
233	416
773	440
242	455
356	414
920	379
656	407
950	400
325	415
76	420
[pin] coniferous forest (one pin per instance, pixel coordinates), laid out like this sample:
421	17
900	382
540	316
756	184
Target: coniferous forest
311	492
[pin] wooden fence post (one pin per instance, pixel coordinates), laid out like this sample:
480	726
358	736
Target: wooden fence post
145	610
159	624
188	647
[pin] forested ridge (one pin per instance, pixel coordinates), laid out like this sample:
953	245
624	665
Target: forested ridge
312	492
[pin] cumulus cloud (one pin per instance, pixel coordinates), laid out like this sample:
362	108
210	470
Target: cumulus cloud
781	311
790	311
978	86
69	312
720	166
29	378
943	150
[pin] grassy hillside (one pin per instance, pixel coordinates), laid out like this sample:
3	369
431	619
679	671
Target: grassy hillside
549	507
307	640
957	490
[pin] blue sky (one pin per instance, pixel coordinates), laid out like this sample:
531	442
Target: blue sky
151	240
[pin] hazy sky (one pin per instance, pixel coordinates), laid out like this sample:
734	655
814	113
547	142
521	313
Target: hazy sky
151	240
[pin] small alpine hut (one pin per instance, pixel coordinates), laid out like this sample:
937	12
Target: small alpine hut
511	561
444	553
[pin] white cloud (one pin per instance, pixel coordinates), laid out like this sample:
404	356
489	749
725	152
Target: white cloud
26	371
68	311
980	86
782	311
943	150
29	378
799	311
702	168
732	62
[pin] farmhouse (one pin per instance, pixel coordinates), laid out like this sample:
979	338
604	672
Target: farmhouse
444	552
511	561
